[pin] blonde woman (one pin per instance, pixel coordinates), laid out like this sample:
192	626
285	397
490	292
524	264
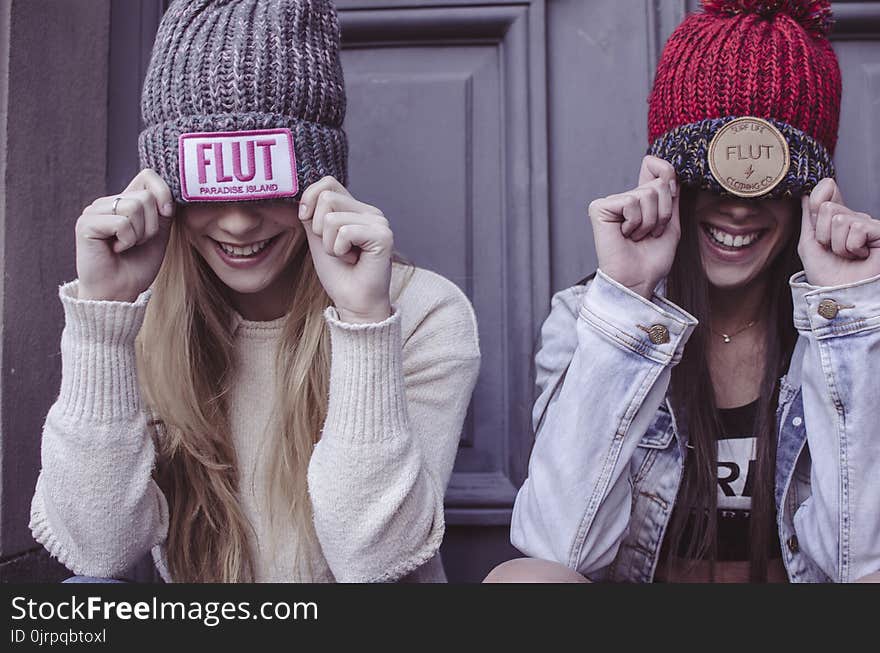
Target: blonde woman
252	389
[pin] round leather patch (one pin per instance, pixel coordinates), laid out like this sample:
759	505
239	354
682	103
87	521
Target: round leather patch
748	157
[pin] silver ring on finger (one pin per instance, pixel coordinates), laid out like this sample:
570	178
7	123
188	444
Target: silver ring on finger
115	204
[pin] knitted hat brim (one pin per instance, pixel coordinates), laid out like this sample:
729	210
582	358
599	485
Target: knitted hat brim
320	150
687	148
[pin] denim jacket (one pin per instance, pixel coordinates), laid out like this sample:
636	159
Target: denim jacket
608	457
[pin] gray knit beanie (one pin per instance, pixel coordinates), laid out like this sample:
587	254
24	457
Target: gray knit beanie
226	81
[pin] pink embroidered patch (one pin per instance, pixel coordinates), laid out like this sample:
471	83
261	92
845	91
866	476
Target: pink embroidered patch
235	166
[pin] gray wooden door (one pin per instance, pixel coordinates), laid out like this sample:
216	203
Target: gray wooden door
483	129
447	120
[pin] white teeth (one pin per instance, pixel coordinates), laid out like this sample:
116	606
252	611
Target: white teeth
247	250
729	240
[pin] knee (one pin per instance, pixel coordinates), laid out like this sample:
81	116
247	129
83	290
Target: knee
532	570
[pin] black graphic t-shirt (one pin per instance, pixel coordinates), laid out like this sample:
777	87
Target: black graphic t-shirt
737	451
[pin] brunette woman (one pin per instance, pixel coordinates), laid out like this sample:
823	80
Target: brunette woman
708	398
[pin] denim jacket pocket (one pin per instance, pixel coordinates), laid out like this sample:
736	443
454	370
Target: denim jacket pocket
657	438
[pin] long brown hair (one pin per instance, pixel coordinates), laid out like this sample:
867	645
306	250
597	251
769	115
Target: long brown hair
693	396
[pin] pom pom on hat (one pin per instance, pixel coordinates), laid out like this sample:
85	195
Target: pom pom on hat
813	15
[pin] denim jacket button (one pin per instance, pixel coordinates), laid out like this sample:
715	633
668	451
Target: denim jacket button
658	334
828	309
797	421
793	544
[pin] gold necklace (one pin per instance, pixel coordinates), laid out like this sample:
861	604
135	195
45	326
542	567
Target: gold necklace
728	336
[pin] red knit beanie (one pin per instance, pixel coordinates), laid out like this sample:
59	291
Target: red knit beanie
766	61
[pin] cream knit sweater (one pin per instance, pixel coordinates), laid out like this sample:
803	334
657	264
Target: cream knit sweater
399	391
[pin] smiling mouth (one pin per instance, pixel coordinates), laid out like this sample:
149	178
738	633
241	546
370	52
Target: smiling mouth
728	241
245	251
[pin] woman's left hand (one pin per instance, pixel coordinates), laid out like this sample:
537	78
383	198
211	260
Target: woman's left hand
838	245
351	245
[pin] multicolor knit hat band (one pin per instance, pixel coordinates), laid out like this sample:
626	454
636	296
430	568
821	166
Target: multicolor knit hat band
687	149
245	99
766	60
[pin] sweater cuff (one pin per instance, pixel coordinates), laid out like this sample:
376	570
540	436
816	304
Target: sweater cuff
367	400
99	373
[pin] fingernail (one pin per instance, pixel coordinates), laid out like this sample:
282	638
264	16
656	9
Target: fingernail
303	211
168	210
673	187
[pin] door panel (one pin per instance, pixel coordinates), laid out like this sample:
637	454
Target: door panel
445	123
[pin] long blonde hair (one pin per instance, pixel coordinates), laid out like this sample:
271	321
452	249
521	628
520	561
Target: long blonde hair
185	363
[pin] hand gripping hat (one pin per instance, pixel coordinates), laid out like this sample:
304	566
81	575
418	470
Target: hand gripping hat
746	100
244	99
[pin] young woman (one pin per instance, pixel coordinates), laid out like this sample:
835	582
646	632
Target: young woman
252	389
687	427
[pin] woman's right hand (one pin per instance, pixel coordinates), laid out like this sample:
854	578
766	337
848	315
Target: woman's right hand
119	253
637	232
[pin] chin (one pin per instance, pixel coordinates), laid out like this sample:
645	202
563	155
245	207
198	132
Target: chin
724	275
244	286
728	281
